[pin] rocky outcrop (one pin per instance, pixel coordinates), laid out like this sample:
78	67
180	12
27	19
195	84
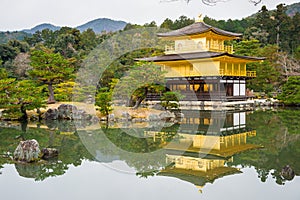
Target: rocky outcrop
27	151
66	112
51	114
287	173
167	116
153	117
126	116
49	153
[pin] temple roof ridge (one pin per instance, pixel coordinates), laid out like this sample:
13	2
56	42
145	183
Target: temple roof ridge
197	28
196	55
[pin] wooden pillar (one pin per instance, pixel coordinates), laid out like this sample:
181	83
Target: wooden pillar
193	80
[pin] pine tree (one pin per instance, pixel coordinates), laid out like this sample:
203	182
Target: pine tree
50	68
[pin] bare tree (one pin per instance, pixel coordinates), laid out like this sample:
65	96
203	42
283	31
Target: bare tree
255	2
288	65
22	64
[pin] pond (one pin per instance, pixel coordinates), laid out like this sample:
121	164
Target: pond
206	155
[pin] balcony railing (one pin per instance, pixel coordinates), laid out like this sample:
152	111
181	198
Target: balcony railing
196	48
237	73
174	73
251	73
220	48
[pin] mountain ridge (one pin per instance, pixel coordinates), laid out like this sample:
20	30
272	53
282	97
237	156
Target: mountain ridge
103	24
98	25
293	9
109	25
41	27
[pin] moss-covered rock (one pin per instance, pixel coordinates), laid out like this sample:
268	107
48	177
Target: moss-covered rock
27	151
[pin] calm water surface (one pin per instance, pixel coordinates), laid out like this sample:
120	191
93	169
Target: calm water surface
208	155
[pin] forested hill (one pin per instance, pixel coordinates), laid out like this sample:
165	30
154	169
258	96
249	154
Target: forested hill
97	25
293	9
103	24
41	27
16	35
108	25
279	26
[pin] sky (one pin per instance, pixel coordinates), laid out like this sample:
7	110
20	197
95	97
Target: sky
18	14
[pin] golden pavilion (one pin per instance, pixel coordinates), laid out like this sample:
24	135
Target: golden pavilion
201	66
201	153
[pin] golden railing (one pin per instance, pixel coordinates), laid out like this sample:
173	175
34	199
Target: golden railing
194	48
251	73
220	48
237	73
221	72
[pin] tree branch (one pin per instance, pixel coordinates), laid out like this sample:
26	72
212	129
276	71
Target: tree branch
256	2
214	2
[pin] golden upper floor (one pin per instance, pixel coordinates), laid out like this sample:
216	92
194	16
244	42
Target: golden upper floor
185	46
198	37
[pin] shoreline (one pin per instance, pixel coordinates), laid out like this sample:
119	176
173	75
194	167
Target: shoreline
150	107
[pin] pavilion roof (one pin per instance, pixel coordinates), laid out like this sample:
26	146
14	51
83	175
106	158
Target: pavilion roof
198	28
198	178
196	55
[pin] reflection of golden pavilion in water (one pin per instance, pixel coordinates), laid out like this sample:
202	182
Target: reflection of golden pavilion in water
205	142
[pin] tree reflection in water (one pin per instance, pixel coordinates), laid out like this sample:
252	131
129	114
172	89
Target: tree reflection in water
277	131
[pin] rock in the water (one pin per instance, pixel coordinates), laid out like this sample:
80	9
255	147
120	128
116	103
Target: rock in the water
167	116
49	153
66	111
138	120
81	115
126	116
111	117
51	114
94	119
71	112
153	117
29	171
288	173
27	151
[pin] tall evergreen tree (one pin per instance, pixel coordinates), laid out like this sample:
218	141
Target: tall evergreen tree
265	24
282	28
50	68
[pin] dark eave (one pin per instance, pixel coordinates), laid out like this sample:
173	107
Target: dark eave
198	178
196	55
197	28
